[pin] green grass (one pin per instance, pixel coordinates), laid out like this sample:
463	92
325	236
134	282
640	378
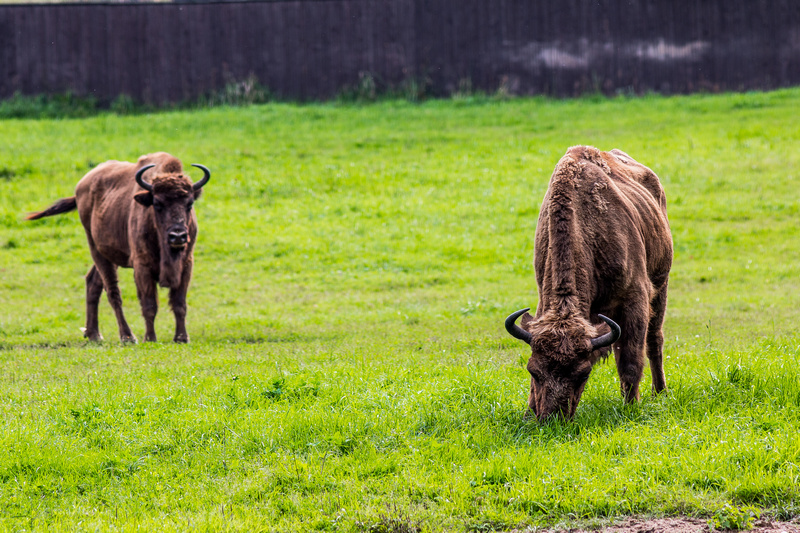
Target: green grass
60	106
349	370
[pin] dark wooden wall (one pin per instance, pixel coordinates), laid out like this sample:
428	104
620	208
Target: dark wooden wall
313	49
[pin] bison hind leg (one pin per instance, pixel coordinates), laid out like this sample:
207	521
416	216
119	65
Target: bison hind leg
94	289
655	339
107	271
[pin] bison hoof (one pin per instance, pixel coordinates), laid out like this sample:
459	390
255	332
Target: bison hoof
181	339
93	337
128	339
149	338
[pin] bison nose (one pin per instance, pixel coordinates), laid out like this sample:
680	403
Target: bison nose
177	237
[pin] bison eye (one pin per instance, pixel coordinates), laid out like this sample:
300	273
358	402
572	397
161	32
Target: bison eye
158	206
189	206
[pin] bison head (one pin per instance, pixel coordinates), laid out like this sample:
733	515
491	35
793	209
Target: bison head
171	196
562	354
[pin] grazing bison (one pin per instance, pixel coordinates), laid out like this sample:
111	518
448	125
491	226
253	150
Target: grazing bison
603	252
137	215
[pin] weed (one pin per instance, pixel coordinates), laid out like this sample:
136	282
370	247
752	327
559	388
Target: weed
365	90
65	105
385	524
239	93
730	517
124	105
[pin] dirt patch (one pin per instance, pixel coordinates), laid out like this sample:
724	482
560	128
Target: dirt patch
678	525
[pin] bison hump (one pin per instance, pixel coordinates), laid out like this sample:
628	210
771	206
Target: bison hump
165	163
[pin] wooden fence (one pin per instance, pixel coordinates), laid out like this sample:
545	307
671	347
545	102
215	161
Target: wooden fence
314	49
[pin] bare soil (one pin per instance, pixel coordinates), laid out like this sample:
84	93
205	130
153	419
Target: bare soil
679	525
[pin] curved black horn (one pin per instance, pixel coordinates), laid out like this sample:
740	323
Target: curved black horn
199	185
516	331
140	180
609	338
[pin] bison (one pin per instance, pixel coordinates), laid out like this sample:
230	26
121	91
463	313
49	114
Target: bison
137	215
602	256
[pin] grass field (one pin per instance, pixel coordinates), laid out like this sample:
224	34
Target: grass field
348	367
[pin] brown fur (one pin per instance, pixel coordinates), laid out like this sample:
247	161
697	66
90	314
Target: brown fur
602	246
126	231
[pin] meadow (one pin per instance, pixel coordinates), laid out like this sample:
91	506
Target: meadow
348	367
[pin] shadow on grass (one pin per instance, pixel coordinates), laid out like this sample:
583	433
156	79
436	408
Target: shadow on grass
299	337
8	346
600	415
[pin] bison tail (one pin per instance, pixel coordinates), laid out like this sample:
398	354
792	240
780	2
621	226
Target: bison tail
62	206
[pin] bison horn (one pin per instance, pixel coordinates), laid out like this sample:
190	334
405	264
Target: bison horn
140	180
516	331
199	185
609	338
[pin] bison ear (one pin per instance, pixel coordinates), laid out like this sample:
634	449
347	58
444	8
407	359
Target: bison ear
588	345
145	198
197	193
525	320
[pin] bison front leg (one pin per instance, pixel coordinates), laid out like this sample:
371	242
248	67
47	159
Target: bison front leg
629	350
147	291
177	301
94	289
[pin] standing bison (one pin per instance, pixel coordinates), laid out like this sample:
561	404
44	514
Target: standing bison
603	252
137	215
